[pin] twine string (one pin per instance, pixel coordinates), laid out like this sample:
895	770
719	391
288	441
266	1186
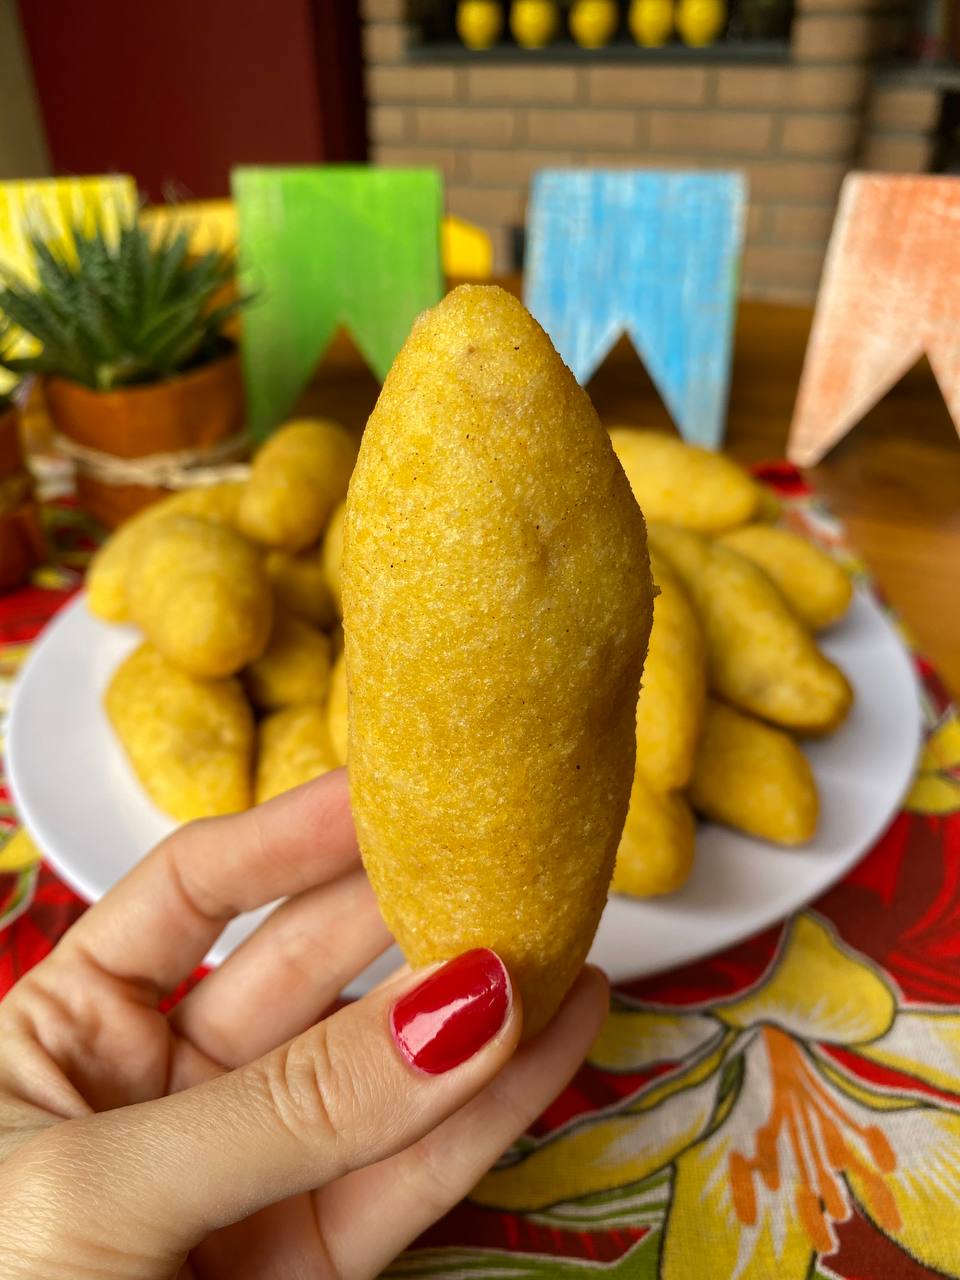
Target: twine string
181	469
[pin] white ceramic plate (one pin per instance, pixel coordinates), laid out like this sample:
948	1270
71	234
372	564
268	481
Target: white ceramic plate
85	809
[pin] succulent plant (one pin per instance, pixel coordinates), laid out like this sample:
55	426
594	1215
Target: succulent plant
122	308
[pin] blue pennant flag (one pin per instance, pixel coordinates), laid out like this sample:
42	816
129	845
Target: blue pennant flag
653	255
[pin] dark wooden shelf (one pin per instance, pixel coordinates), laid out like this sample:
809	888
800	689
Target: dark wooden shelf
739	51
944	76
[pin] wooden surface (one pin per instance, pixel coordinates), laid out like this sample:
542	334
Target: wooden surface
895	479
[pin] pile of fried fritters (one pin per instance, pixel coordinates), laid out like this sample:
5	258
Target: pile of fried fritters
733	671
238	690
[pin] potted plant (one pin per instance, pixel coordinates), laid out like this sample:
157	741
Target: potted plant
140	378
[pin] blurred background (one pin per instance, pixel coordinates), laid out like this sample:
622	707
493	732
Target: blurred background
794	92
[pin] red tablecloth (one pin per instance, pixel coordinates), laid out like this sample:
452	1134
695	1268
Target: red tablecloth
789	1108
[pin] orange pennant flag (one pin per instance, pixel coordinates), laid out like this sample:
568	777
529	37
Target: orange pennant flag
890	293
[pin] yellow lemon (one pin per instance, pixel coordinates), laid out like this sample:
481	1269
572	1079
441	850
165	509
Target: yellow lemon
479	23
593	22
533	22
700	21
651	22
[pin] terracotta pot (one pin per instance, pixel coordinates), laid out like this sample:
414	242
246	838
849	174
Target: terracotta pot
11	453
191	411
21	534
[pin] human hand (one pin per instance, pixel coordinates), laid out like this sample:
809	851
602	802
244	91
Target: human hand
239	1137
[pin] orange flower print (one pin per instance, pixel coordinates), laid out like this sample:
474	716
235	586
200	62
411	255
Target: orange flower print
823	1141
778	1111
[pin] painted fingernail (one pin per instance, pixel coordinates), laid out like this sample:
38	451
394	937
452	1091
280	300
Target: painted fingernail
453	1013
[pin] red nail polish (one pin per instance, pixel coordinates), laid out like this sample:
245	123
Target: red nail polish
453	1013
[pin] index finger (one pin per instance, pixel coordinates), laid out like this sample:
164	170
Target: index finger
156	925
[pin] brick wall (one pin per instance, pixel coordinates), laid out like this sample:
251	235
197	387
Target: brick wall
898	129
794	128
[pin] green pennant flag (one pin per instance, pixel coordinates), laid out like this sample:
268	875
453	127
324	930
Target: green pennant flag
329	246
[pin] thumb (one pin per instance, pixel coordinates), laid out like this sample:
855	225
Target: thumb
365	1083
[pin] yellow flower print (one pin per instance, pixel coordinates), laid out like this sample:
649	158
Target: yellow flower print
937	785
782	1107
19	865
19	853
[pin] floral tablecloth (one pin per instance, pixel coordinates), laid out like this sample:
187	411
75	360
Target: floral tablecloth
786	1110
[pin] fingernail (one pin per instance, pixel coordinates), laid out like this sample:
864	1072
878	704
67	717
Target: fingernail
453	1013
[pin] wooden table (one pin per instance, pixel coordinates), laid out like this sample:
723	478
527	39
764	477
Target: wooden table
895	480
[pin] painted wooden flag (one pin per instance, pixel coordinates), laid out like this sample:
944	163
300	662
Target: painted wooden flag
654	255
890	293
326	246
